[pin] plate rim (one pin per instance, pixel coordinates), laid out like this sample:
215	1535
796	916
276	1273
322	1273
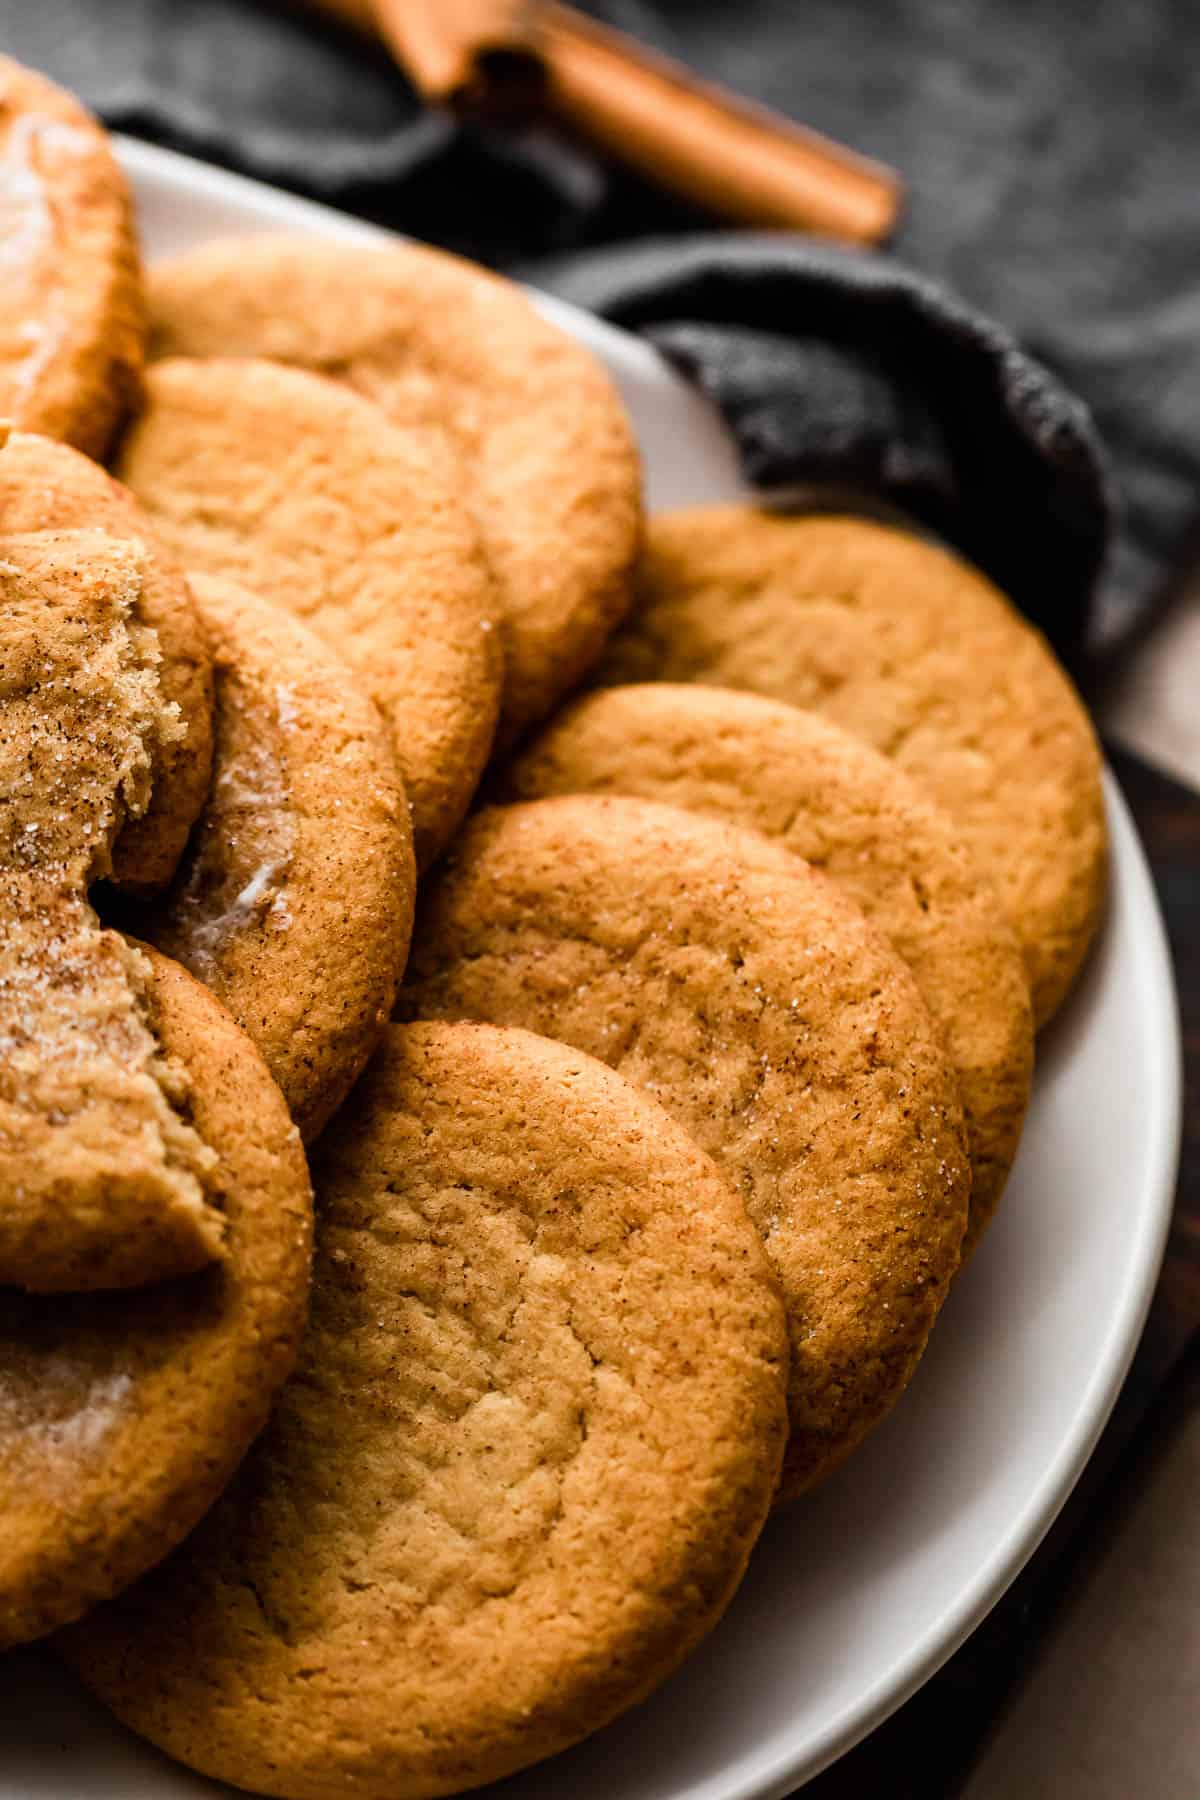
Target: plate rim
1096	1402
1162	1127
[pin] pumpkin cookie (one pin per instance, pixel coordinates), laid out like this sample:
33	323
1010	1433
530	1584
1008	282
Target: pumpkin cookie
911	649
832	800
304	492
123	1415
294	901
103	1182
72	318
533	1436
550	465
751	998
47	487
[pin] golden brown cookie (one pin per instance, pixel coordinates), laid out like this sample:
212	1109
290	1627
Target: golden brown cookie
48	487
103	1181
914	651
550	465
749	996
305	493
72	316
533	1436
123	1415
294	901
834	801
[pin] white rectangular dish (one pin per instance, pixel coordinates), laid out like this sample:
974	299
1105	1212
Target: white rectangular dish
856	1594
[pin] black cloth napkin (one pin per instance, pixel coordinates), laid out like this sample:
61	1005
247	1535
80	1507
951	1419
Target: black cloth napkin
1051	156
839	367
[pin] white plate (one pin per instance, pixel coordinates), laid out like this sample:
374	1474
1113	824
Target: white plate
856	1595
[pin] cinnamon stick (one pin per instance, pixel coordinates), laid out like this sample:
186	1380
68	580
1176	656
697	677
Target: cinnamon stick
736	159
536	58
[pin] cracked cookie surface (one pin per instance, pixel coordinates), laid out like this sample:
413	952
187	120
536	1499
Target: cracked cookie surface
834	801
122	1415
305	493
748	995
549	464
532	1437
911	649
294	900
72	314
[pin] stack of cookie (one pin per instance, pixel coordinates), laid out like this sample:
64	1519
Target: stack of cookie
632	938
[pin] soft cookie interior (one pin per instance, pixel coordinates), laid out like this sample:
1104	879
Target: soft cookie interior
104	1178
123	1414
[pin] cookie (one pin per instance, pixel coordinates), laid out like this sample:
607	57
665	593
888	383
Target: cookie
123	1415
909	648
72	315
847	810
533	1436
48	487
294	901
304	492
550	466
104	1183
750	997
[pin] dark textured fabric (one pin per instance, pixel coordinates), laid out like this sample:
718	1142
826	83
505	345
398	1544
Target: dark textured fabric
1050	153
834	366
